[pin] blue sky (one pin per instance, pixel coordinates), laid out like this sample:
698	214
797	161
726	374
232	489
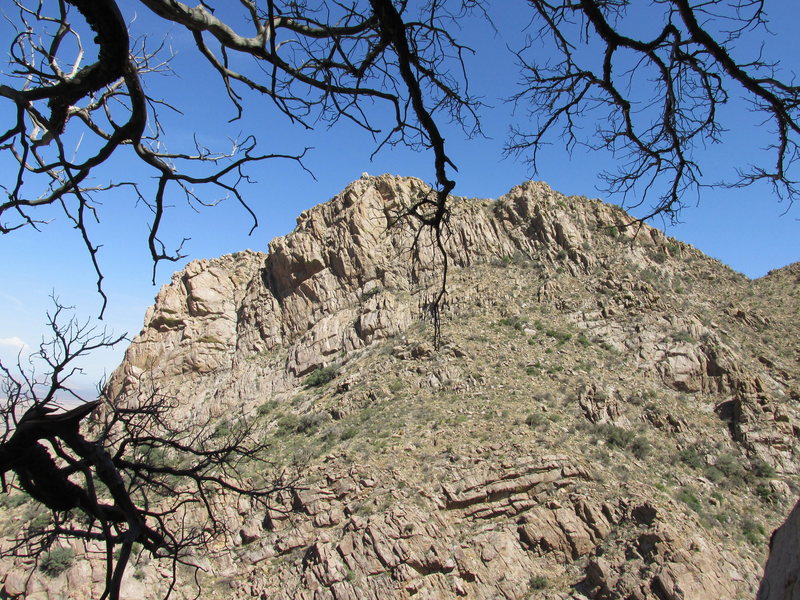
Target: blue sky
745	229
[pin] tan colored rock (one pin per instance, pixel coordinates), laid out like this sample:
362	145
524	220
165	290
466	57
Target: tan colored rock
681	581
470	470
305	295
601	406
768	430
15	583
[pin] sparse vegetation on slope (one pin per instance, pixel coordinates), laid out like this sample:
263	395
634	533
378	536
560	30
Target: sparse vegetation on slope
584	429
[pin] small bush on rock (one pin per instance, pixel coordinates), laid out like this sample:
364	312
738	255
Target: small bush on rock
617	436
538	582
322	376
57	561
761	468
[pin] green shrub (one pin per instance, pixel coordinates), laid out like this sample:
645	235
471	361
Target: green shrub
723	517
562	254
560	336
660	257
37	519
766	494
310	423
617	436
533	370
348	433
266	408
307	424
534	420
322	376
503	261
730	466
538	582
761	468
640	446
223	429
753	532
287	424
370	293
691	457
583	340
682	336
687	496
649	275
713	474
57	561
157	456
13	500
516	322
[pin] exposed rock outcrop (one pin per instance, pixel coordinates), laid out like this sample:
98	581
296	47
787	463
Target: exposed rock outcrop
349	275
613	415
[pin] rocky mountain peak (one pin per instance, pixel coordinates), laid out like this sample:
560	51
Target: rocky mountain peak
333	285
613	415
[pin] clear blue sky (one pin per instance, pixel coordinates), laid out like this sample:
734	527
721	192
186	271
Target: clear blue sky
745	229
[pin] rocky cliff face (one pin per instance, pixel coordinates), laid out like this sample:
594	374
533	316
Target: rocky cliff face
613	415
782	574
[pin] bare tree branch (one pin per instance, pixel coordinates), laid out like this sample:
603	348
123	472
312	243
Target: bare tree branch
313	60
655	99
131	476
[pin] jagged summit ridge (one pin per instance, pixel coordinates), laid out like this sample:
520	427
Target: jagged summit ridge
315	279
